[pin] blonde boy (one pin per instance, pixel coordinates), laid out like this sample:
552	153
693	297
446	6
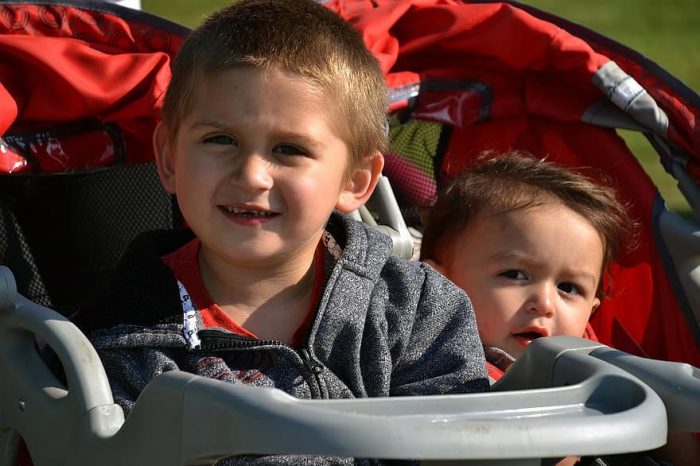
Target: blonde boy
273	125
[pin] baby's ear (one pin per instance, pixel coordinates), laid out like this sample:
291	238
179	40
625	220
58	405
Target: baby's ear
162	149
361	183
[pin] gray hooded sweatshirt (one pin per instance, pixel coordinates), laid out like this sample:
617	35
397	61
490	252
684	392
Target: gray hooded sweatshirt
384	326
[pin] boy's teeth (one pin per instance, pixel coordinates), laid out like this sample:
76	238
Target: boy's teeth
257	213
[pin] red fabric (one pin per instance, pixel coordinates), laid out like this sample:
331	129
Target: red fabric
185	266
589	333
64	65
493	372
530	84
499	36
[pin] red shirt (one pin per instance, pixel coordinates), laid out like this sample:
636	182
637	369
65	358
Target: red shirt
185	266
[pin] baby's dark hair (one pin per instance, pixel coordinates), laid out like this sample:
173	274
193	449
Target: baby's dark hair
496	184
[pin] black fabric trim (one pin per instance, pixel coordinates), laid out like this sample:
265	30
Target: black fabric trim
440	152
686	310
443	85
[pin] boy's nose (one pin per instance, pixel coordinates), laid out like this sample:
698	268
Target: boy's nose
542	300
251	172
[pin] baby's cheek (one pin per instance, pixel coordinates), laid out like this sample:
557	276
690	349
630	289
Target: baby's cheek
574	327
486	332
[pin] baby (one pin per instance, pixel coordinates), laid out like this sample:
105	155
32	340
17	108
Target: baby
529	241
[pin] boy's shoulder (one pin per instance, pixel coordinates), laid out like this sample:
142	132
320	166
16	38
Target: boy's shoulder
362	246
367	249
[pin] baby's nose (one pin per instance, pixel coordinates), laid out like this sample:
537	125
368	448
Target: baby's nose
542	300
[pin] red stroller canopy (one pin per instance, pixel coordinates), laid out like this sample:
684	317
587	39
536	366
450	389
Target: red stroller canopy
468	77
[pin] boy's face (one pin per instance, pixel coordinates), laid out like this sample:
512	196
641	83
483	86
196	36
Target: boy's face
529	273
258	166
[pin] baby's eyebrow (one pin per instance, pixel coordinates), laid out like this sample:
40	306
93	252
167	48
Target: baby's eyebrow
511	255
524	259
208	124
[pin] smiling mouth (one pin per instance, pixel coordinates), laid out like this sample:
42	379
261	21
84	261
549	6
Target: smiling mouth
253	213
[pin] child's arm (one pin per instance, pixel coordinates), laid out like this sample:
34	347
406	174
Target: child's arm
443	352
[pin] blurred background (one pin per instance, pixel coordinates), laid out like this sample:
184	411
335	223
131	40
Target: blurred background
668	33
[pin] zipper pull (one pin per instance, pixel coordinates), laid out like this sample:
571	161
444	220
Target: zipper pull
314	366
189	319
190	330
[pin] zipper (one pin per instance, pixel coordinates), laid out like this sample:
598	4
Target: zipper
216	340
316	368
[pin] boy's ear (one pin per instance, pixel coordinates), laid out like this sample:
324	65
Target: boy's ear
596	303
162	150
359	187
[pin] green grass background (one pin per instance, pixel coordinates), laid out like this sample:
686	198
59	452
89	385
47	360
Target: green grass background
665	32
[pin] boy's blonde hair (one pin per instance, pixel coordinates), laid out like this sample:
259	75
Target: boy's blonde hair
298	36
499	184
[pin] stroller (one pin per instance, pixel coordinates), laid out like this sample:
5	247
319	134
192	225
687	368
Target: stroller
80	89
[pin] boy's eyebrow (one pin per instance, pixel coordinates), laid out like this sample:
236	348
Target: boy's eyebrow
301	138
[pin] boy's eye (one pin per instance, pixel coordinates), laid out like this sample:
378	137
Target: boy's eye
514	275
288	149
220	139
570	288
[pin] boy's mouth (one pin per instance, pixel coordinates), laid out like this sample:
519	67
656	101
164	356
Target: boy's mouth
248	212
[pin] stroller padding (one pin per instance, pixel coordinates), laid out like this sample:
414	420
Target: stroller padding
16	253
78	225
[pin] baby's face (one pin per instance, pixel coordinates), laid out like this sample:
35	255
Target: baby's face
257	166
529	273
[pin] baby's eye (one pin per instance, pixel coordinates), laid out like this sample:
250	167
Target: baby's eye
514	274
221	139
289	149
570	288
